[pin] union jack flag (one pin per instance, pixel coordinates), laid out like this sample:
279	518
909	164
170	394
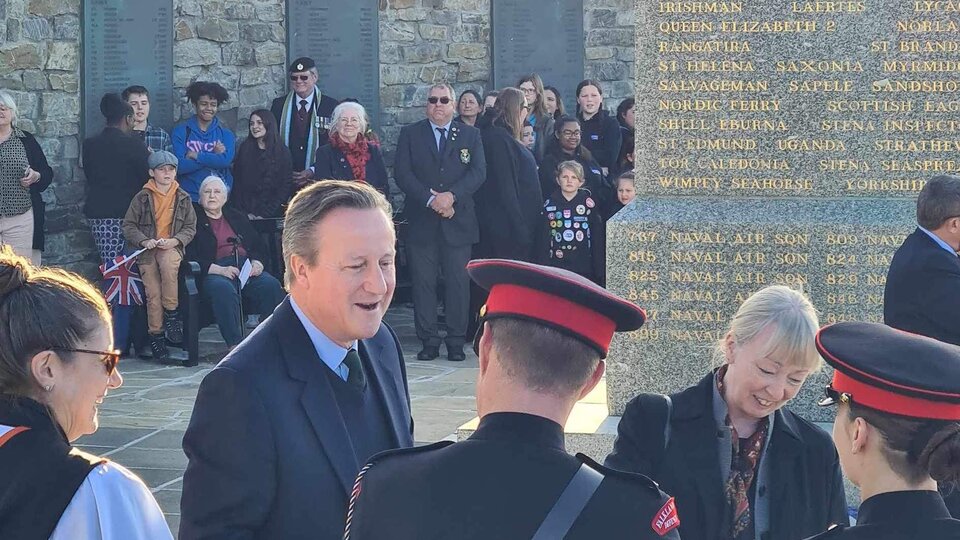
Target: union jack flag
122	281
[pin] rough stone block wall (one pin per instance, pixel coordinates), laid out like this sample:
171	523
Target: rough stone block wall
240	44
423	42
40	66
608	27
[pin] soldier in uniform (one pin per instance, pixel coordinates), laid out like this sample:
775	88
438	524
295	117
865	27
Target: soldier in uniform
897	429
544	334
303	116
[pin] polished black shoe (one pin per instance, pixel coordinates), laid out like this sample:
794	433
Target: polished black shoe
456	355
429	352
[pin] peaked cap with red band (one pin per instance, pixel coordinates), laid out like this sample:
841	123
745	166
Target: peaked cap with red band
557	298
892	371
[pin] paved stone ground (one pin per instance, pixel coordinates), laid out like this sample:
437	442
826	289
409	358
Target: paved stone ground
142	423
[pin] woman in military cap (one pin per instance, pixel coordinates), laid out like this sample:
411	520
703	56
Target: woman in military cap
897	429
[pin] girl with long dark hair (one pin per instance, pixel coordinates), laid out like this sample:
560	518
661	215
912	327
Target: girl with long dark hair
263	171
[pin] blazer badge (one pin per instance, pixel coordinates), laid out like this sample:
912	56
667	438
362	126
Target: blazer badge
465	156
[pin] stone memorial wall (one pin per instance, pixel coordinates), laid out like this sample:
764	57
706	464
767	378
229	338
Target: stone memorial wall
125	42
545	37
778	143
343	37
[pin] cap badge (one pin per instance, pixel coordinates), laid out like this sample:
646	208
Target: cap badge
300	66
465	156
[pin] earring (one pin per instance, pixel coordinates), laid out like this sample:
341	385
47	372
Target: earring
48	387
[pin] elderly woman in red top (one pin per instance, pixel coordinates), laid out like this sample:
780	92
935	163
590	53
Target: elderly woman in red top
351	154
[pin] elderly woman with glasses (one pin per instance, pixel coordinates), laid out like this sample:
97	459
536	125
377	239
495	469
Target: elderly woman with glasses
57	364
351	154
740	465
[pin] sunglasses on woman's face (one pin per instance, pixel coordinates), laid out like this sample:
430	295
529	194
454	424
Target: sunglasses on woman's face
110	359
434	100
296	78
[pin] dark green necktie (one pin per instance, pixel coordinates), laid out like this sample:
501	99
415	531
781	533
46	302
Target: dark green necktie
355	378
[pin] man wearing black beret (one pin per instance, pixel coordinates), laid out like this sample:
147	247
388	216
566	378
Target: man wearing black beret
544	334
303	116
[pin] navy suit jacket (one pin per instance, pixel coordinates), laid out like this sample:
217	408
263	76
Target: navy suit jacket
922	293
461	170
331	164
270	456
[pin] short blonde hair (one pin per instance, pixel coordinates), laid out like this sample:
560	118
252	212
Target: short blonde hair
793	318
308	208
6	99
346	106
571	166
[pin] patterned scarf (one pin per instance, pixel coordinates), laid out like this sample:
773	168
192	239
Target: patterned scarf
743	469
358	154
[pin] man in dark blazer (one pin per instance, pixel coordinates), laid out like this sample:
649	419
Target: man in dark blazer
439	166
282	425
922	293
303	115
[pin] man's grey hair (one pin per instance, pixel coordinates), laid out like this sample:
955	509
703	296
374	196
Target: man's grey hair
350	106
308	208
6	99
213	179
939	201
445	86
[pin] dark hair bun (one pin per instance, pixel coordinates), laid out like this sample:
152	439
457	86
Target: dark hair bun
14	271
942	454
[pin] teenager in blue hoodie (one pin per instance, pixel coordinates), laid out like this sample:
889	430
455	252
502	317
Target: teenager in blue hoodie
202	144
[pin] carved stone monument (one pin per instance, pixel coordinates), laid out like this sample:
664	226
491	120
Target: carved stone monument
126	43
343	38
544	37
777	143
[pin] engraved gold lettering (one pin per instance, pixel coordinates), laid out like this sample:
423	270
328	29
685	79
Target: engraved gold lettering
725	66
869	106
923	145
700	7
921	126
922	165
682	182
698	257
841	259
872	184
750	124
688	105
753	278
696	315
721	144
824	85
749	257
698	295
748	238
726	47
843	165
915	46
696	238
714	85
916	86
884	239
847	125
797	259
768	27
680	276
927	26
752	164
811	145
876	279
878	260
818	66
829	7
791	239
920	66
843	298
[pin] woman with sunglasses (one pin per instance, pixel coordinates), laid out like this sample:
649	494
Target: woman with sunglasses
897	428
57	363
740	465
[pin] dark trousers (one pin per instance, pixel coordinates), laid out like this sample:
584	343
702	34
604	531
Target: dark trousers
261	295
426	261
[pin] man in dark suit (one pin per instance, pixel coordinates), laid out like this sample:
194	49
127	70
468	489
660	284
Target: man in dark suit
439	166
923	284
545	332
283	423
303	116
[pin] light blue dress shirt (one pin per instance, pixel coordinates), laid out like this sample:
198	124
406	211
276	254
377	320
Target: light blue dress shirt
329	352
436	139
939	241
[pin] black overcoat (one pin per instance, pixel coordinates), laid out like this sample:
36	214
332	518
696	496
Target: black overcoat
807	487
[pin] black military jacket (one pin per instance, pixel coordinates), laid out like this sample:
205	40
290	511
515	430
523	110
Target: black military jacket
900	515
500	483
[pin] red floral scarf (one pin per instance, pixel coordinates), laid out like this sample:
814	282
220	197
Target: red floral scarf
743	469
358	154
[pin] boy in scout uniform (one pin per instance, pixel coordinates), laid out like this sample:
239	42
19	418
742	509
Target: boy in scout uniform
573	219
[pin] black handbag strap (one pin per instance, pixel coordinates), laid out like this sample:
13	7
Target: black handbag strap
570	504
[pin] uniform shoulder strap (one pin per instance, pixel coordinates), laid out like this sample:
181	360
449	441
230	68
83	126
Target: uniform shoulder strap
9	432
570	504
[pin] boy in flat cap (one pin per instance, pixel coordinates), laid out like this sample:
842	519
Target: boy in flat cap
162	220
897	428
303	116
544	334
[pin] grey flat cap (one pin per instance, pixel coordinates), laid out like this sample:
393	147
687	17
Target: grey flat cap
161	158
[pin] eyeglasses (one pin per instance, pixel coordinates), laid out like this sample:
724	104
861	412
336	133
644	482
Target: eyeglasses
299	78
110	359
528	90
832	397
434	100
570	133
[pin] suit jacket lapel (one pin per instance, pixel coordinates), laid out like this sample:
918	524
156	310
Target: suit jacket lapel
391	395
431	139
452	134
317	397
